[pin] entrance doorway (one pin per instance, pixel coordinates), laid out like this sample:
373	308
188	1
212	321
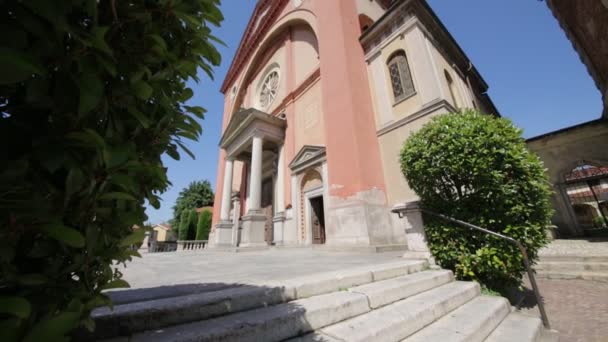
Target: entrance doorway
317	220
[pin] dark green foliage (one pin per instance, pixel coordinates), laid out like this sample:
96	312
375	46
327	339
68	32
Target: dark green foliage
477	168
91	96
599	221
184	226
204	225
198	194
192	220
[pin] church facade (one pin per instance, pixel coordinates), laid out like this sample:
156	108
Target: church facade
319	99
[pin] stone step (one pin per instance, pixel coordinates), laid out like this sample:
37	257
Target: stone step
571	266
389	291
584	275
517	327
472	322
574	258
316	284
291	319
274	323
163	312
399	320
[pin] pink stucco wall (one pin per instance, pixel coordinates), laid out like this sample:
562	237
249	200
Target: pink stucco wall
353	156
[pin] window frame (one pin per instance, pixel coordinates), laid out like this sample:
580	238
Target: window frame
394	60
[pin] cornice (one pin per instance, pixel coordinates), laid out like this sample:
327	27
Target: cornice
252	36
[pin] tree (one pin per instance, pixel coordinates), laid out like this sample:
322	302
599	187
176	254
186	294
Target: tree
192	220
476	168
204	225
198	194
184	226
92	95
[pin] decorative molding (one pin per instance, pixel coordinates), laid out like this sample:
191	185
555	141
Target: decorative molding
248	123
424	111
308	156
269	9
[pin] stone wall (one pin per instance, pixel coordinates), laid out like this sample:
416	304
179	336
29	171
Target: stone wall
563	150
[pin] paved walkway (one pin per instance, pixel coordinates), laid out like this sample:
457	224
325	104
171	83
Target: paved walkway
578	309
161	269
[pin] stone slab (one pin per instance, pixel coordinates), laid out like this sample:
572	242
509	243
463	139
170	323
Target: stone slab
274	323
160	313
389	291
472	322
517	327
254	267
389	323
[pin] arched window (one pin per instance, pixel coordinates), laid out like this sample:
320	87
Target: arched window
401	79
452	88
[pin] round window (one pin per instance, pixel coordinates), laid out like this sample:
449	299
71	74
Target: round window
269	89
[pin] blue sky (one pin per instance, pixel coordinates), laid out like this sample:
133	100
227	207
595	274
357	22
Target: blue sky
536	78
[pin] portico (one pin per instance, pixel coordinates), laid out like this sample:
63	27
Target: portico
256	139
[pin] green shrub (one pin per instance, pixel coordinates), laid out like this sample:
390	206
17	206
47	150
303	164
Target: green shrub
204	225
599	221
91	96
476	168
192	220
184	226
198	194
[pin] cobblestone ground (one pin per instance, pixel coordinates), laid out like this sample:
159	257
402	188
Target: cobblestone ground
578	309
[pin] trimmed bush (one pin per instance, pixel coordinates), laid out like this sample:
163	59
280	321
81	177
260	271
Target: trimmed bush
198	194
184	226
192	220
204	225
476	168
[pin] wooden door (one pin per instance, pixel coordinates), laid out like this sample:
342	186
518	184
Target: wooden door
317	220
267	209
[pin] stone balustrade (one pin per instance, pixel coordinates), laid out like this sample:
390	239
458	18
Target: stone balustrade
191	245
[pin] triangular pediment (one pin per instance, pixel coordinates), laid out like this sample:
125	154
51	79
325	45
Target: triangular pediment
245	118
307	154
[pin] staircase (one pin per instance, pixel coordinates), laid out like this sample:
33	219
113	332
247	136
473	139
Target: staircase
585	259
399	301
573	267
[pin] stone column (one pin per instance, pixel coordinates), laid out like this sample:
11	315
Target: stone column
252	234
255	181
227	191
222	236
236	200
279	216
280	201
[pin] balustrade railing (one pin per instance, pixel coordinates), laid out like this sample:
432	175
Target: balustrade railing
191	245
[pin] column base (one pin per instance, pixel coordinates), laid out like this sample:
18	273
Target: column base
278	228
359	220
252	234
222	236
414	229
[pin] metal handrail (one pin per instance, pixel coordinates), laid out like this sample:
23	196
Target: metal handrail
541	307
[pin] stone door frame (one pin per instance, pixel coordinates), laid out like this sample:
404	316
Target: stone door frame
308	195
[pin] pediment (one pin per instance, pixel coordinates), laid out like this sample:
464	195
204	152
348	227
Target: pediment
245	118
308	154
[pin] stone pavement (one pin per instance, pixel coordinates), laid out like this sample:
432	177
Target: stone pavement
578	309
576	247
255	267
